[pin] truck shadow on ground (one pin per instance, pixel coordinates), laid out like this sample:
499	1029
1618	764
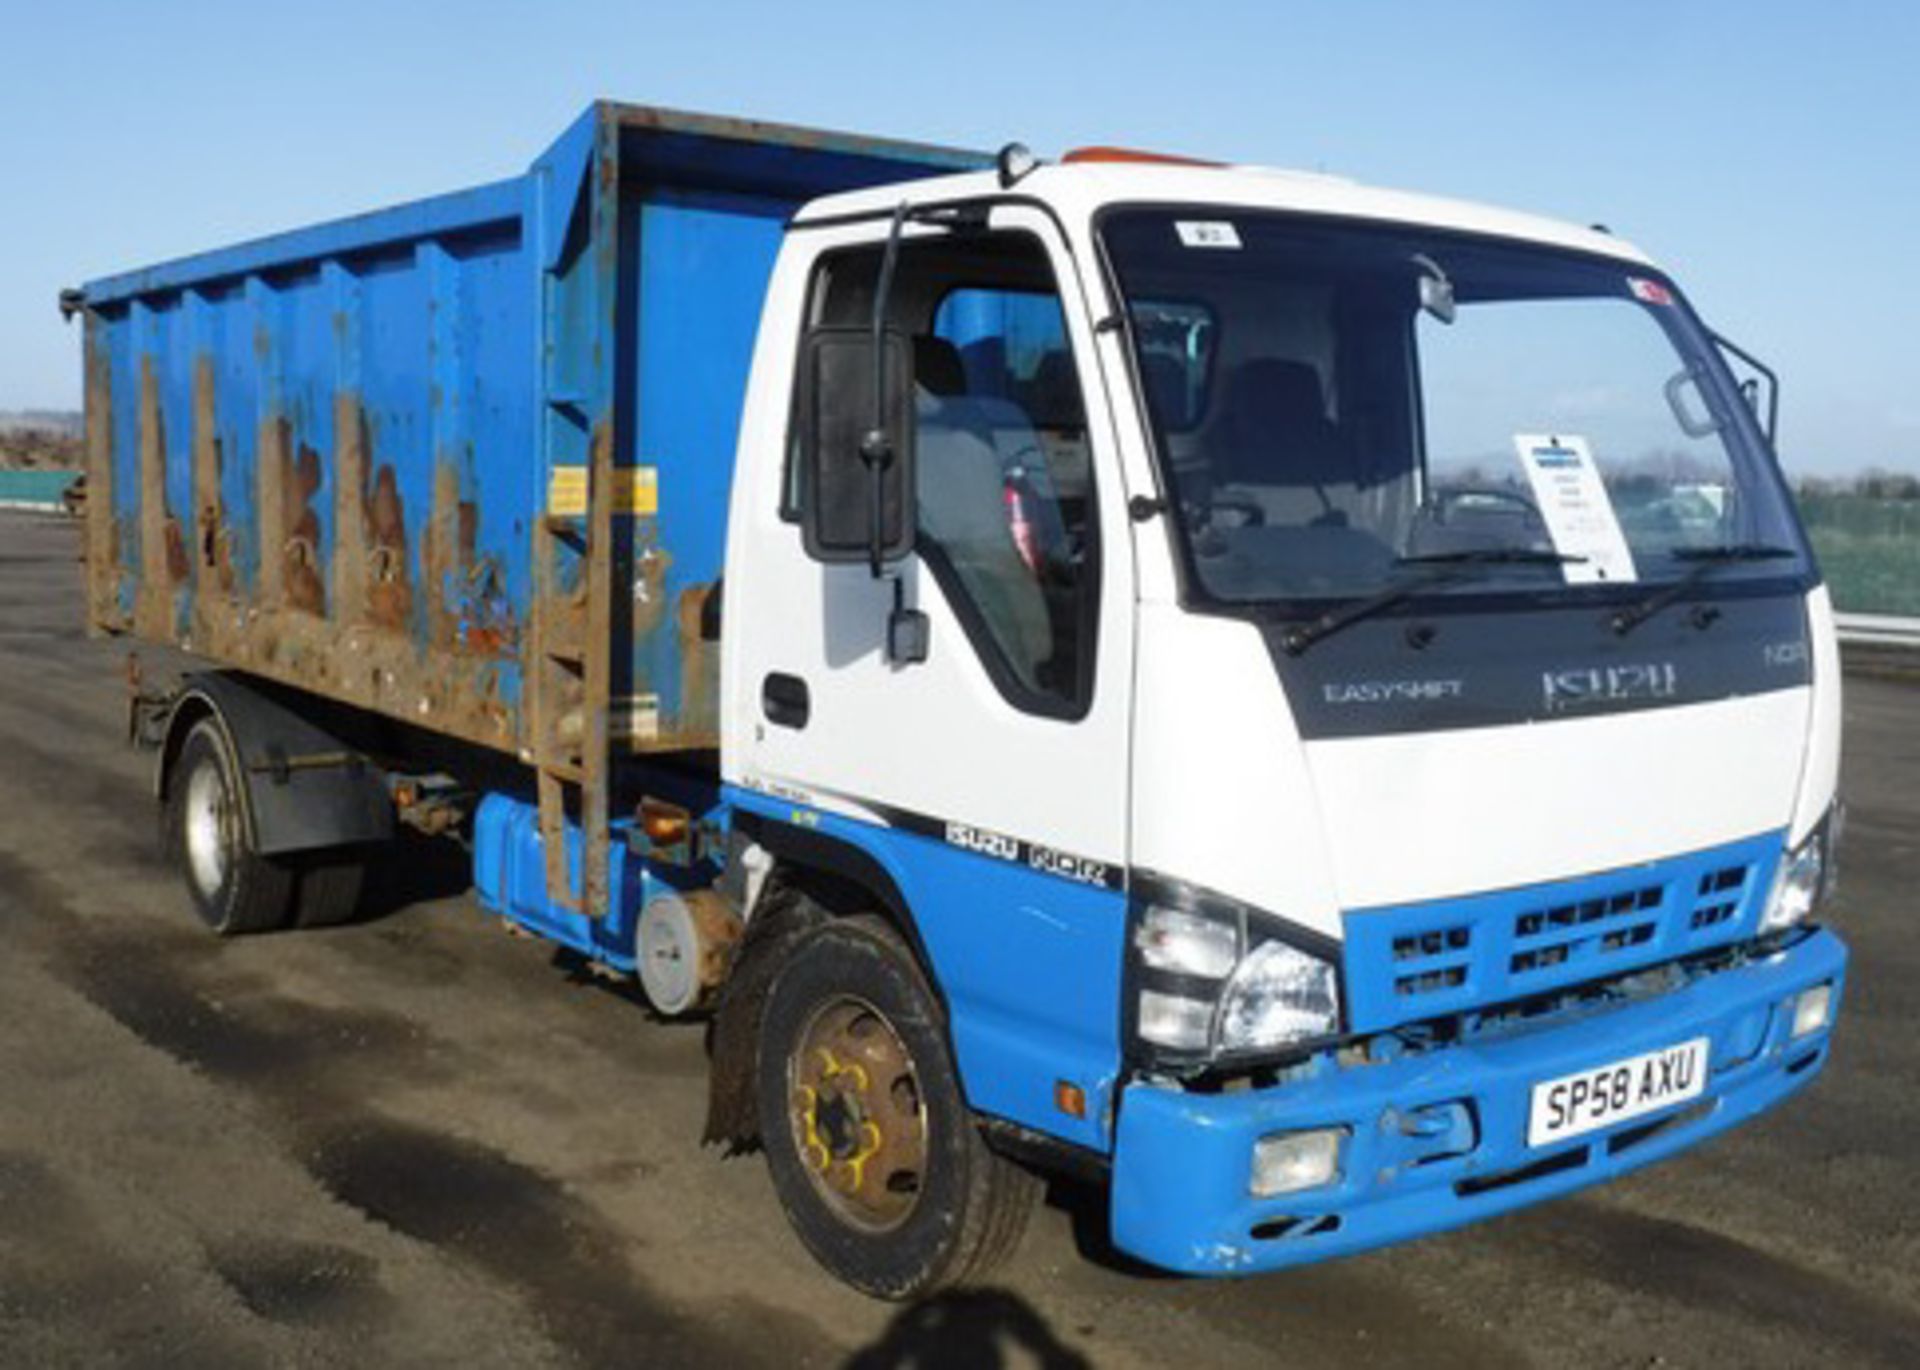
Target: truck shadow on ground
968	1329
1085	1205
418	870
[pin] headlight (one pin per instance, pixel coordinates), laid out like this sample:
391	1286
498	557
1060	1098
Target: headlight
1211	978
1278	994
1804	878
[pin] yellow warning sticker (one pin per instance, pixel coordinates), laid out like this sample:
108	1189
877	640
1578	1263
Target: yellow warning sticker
636	490
567	492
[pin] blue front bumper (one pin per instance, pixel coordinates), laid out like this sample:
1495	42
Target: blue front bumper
1439	1139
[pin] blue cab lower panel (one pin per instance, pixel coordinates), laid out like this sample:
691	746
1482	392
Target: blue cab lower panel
1182	1163
1028	965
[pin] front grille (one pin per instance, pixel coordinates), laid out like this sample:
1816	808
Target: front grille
1441	957
1592	929
1416	961
1719	895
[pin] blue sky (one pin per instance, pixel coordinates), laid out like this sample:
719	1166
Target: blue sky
1767	152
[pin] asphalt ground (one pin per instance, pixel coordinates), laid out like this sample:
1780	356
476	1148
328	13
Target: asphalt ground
417	1141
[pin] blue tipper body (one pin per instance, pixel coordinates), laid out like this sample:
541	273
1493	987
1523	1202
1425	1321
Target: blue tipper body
336	445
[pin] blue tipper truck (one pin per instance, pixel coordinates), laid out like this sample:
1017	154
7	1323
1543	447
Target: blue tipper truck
1127	667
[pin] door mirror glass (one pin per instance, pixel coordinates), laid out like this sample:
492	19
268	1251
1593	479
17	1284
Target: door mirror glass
1436	291
847	470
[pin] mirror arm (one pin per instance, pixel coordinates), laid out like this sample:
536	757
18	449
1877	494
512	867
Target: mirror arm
1773	382
876	449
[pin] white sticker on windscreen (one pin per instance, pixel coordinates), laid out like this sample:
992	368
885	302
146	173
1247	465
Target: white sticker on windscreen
1207	233
1576	508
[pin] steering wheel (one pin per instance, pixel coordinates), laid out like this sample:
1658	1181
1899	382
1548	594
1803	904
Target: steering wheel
1201	515
1443	500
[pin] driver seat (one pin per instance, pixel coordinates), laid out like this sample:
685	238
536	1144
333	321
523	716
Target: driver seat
961	491
1278	449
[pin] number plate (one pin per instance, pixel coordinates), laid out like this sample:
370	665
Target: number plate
1576	1104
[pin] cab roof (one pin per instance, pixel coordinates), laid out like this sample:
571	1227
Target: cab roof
1078	189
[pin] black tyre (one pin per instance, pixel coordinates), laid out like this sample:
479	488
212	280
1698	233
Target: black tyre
329	888
875	1156
233	888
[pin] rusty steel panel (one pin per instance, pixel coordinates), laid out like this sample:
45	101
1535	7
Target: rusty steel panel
338	457
103	542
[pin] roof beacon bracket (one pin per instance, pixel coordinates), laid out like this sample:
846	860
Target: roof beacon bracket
1015	162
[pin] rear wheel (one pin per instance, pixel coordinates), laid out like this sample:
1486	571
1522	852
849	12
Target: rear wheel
234	889
329	888
874	1153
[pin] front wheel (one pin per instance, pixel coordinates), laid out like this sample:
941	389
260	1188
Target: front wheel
234	889
874	1153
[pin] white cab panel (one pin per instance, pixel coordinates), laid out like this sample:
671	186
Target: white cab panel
1429	815
1229	797
1223	795
1820	776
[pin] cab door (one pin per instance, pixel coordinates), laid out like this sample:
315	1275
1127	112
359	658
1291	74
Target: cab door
990	779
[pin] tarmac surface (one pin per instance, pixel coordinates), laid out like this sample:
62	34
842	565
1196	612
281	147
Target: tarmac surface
417	1141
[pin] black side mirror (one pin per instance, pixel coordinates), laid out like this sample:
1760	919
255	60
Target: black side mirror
848	471
1435	289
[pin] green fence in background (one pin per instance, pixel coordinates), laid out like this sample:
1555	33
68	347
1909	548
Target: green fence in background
33	489
1869	548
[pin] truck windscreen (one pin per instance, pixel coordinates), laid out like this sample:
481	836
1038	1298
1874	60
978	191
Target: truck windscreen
1334	403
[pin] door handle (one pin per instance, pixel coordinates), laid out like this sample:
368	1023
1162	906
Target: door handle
784	700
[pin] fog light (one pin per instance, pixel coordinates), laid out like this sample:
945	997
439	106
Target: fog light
1812	1009
1288	1162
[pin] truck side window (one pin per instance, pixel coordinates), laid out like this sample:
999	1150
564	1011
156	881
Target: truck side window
1004	486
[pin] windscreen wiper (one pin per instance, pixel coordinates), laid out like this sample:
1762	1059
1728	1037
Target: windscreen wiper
1706	561
1490	556
1436	568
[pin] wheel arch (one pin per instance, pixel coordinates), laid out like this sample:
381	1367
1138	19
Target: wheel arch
842	877
815	878
286	807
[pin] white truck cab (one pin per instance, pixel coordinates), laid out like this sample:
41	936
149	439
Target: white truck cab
1350	709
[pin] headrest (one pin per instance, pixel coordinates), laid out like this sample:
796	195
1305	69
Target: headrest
1166	383
937	366
1276	426
1054	396
1276	393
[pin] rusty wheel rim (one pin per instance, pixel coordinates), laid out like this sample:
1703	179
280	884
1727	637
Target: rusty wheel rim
858	1115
